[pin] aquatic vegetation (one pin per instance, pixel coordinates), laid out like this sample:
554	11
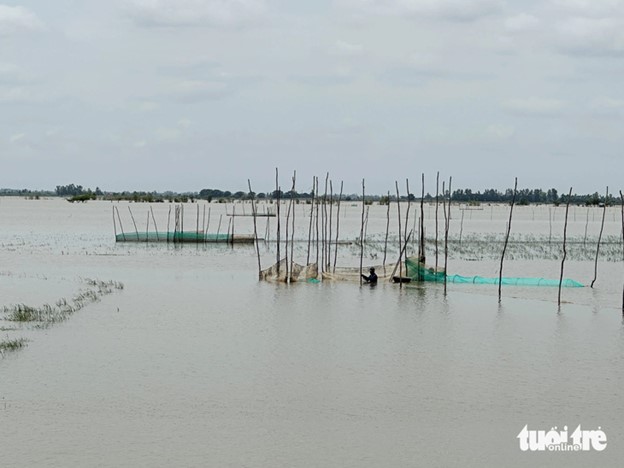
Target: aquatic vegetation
12	345
62	309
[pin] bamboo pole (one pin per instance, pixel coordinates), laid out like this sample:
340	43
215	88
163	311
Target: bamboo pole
123	233
168	221
421	246
232	219
337	226
387	230
331	214
175	223
155	226
317	224
396	183
362	235
622	201
207	230
147	227
134	222
114	224
401	251
461	228
565	253
292	240
204	221
219	227
604	212
500	273
586	225
436	220
409	204
310	225
447	218
277	196
253	210
324	214
197	227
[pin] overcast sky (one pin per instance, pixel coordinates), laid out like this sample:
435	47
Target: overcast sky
192	94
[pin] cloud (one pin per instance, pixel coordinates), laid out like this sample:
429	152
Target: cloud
346	49
589	8
500	131
182	13
607	107
534	106
591	36
17	19
17	137
15	94
450	10
521	23
198	90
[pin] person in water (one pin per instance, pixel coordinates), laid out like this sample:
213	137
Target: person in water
372	278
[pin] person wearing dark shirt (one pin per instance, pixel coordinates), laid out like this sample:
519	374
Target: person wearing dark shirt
372	278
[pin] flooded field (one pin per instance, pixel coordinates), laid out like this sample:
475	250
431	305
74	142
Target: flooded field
185	359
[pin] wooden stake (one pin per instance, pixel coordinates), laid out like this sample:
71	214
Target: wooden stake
565	253
622	201
123	233
604	212
134	222
401	251
253	210
155	226
337	226
219	227
500	273
362	235
436	220
114	224
310	226
447	220
396	183
387	230
292	240
421	246
409	204
331	214
168	221
324	214
147	227
278	196
317	224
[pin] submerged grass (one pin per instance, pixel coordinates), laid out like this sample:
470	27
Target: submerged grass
12	345
61	310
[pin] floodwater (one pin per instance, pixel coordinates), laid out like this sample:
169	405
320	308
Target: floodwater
196	363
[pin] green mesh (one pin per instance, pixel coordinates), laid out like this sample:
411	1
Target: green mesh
418	272
197	237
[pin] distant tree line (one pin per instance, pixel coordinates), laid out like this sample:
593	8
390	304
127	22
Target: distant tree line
523	197
529	196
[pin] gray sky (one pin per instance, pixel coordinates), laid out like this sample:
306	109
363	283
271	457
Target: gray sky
191	94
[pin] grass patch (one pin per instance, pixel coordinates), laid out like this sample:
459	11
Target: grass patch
61	310
12	345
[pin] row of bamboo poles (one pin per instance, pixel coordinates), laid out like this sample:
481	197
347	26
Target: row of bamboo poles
324	233
178	226
319	213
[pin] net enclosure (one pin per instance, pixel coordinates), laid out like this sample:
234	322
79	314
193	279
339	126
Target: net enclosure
420	272
184	237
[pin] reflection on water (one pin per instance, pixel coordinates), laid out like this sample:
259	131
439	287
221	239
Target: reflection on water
195	363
